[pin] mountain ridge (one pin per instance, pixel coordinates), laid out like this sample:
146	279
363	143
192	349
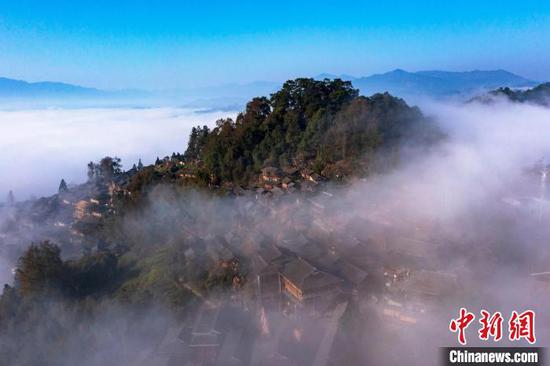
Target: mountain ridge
438	83
432	83
14	86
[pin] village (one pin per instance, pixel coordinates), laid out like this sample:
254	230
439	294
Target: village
310	265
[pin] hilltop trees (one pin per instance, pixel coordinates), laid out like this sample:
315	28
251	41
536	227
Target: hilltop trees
91	171
306	124
197	140
107	168
538	95
63	186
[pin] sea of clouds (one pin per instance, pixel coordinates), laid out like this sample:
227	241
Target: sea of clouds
38	147
466	185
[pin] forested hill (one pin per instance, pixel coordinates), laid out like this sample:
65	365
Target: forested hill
146	237
323	125
538	95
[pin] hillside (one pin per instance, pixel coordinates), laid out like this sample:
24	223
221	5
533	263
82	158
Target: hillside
539	95
323	126
194	230
306	135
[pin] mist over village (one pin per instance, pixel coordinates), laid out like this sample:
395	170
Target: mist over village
198	215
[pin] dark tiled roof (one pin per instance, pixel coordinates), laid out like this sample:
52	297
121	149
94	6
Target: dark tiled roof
349	272
269	253
204	340
206	321
430	283
306	276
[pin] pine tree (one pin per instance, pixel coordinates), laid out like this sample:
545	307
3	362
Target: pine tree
63	186
140	165
91	171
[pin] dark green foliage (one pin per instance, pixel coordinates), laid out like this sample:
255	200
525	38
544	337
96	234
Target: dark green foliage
225	275
197	140
143	180
537	95
307	124
107	168
91	170
156	277
40	269
92	273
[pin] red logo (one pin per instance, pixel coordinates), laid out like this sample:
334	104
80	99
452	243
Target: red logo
461	324
491	326
520	326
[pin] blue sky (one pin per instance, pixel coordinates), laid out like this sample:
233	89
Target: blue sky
171	44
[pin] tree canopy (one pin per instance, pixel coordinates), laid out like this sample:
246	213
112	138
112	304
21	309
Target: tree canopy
308	123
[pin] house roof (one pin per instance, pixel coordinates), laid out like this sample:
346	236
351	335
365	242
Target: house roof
306	276
295	241
205	340
412	247
297	270
349	272
311	251
269	253
430	283
206	320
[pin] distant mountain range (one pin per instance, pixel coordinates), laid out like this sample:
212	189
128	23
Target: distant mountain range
19	88
435	83
10	88
438	84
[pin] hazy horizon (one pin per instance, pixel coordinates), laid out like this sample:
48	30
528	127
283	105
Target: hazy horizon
184	45
39	147
339	74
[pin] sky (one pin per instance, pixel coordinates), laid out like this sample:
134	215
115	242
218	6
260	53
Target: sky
177	44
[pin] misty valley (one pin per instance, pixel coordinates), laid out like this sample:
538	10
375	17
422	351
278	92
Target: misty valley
316	227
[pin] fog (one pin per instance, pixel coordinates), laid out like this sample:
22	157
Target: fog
477	195
5	270
38	147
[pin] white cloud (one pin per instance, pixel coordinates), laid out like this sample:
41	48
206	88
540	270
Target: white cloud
39	147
